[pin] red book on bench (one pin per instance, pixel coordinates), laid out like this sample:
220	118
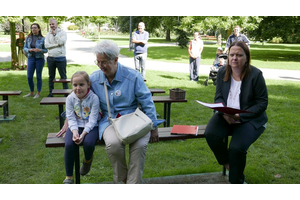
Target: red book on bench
184	130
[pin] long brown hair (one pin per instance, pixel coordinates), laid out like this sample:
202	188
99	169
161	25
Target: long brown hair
246	71
40	32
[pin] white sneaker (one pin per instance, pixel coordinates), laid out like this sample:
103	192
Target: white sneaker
36	96
28	95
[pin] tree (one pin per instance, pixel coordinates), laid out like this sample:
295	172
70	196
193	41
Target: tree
12	23
285	27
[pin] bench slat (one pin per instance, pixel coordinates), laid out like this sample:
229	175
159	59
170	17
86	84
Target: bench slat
164	135
3	103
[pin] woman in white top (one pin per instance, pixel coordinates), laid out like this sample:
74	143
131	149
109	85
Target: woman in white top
240	86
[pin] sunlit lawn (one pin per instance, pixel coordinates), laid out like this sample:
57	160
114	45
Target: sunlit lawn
24	158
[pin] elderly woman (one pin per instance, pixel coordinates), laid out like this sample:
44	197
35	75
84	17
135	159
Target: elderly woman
126	89
240	86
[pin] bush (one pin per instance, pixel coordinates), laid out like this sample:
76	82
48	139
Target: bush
276	40
182	38
73	27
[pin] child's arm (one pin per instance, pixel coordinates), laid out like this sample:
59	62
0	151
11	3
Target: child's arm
93	117
72	122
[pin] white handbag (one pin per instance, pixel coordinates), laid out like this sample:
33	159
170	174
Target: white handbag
130	127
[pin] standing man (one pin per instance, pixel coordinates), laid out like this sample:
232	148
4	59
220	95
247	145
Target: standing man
195	50
236	36
140	39
56	45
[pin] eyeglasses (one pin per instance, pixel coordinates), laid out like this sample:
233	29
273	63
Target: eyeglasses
104	63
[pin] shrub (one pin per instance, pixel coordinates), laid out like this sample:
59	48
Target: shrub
72	27
276	40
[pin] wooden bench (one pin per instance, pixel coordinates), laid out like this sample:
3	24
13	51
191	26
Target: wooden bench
211	38
164	135
68	91
62	80
5	94
3	104
60	101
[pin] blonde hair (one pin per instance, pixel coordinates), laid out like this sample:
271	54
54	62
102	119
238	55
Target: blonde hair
83	74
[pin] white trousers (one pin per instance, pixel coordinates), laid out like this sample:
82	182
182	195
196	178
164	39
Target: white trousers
116	153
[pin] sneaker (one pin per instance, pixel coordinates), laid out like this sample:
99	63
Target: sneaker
36	96
50	95
68	181
28	95
85	168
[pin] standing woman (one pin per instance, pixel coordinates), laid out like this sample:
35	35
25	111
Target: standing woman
241	86
195	50
35	47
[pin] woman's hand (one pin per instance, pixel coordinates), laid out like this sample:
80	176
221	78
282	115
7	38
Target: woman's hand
63	129
232	119
154	136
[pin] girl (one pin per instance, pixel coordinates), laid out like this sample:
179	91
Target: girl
82	111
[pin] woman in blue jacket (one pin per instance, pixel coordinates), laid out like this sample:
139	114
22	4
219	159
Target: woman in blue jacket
35	47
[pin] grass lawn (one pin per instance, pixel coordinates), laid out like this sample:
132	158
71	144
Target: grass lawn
272	56
24	158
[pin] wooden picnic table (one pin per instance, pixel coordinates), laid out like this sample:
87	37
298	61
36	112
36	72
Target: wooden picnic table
167	106
5	95
68	91
60	101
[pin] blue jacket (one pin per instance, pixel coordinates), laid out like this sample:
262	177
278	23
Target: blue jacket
125	91
40	44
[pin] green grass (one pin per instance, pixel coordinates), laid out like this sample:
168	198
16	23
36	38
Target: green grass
272	56
4	47
24	158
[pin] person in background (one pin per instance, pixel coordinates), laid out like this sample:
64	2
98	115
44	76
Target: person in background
140	39
82	112
35	47
21	57
240	86
195	49
55	42
236	36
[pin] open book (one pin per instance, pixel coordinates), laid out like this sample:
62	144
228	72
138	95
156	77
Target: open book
220	107
184	130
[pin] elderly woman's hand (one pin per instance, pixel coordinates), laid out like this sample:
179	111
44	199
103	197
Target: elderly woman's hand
154	136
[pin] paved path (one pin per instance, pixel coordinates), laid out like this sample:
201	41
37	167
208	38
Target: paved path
80	51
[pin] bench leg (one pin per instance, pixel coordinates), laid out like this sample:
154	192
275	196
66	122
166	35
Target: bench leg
77	167
61	119
224	168
5	108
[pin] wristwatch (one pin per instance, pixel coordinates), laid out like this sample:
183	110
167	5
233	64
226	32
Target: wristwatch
54	34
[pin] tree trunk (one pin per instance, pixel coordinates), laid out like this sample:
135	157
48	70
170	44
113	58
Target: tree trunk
219	40
168	35
14	57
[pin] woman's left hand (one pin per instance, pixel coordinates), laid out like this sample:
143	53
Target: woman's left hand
232	119
154	136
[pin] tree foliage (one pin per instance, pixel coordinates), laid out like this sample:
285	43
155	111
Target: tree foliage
285	27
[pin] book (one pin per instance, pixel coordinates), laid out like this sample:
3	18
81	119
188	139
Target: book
184	130
220	107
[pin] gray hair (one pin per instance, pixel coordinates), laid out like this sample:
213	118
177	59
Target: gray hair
107	47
